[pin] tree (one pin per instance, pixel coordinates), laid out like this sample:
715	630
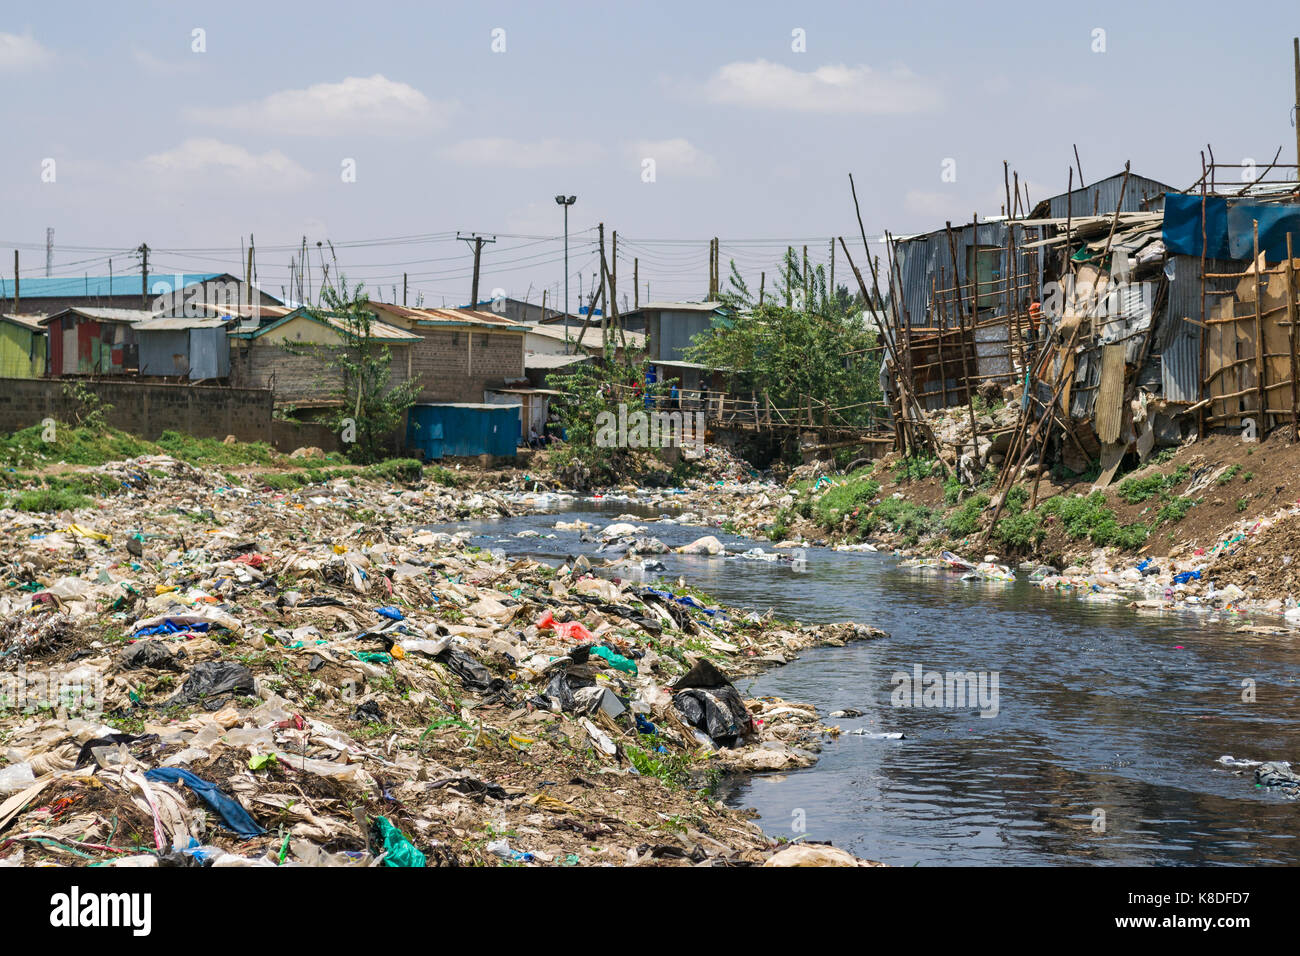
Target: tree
372	407
801	343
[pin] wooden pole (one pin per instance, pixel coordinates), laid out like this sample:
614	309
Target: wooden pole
1291	335
1295	48
1200	419
762	281
965	360
636	283
1260	365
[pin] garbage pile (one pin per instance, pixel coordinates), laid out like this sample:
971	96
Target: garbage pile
203	674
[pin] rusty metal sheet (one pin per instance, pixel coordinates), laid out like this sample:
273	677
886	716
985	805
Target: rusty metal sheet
1110	394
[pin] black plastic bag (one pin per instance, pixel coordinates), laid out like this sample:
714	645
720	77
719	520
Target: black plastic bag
213	682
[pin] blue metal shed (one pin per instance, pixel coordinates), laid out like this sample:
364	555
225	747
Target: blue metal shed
462	429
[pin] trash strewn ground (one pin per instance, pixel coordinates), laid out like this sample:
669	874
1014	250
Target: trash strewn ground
199	671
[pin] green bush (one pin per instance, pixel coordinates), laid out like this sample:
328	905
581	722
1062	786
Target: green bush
1020	531
966	519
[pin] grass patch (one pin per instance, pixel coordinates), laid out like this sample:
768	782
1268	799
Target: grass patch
50	500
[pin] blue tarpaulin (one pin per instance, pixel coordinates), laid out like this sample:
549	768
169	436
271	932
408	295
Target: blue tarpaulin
1275	221
234	816
1182	231
1229	227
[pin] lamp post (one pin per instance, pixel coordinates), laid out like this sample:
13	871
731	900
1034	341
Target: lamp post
566	202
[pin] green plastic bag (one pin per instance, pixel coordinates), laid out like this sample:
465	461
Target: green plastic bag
399	851
616	661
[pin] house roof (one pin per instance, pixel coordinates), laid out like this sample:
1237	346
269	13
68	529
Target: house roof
176	323
378	328
431	317
43	287
545	360
112	316
592	338
29	322
680	307
472	316
239	311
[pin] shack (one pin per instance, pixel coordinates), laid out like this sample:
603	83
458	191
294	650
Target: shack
22	346
93	341
190	348
462	429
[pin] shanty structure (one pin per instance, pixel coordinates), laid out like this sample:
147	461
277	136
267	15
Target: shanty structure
92	341
195	349
22	346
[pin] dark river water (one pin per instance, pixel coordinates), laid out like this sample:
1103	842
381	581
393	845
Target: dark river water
1106	742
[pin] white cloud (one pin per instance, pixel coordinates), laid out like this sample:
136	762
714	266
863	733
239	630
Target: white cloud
201	162
22	52
357	105
827	89
517	154
677	157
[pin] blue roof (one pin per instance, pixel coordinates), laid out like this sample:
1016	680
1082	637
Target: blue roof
97	286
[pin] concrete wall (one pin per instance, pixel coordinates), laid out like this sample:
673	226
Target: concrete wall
204	411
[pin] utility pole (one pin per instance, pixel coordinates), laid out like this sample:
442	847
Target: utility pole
1295	49
49	251
16	295
403	290
144	275
566	202
478	242
636	284
762	281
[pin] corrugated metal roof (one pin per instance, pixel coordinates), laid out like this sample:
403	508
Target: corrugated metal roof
123	316
378	329
681	306
42	287
542	360
176	323
592	338
30	322
1102	196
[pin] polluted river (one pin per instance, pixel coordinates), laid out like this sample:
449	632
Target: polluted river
1108	741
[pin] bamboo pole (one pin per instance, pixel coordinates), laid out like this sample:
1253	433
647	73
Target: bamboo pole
1260	366
965	361
1291	336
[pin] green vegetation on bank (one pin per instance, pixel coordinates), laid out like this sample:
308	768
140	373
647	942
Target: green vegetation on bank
855	506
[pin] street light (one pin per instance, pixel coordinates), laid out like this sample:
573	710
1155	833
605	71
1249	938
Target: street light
566	203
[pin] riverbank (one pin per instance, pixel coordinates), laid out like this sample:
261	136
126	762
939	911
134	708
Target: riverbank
1211	526
356	687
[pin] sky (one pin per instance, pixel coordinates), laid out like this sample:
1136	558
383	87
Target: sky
385	129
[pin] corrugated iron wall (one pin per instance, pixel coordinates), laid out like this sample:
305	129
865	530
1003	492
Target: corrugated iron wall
1102	196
